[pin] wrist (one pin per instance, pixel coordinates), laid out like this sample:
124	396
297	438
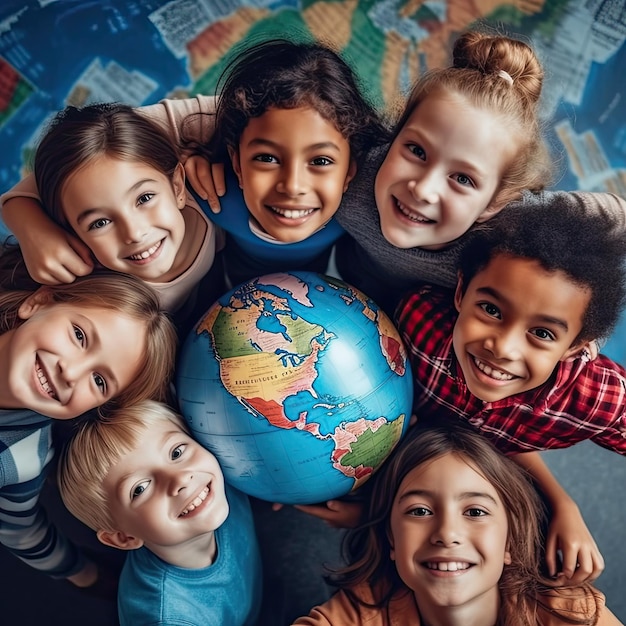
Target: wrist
86	577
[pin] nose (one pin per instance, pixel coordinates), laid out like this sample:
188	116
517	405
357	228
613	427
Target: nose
504	344
293	181
71	371
132	228
447	531
426	189
179	480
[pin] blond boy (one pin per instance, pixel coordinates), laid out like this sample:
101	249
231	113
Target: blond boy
145	485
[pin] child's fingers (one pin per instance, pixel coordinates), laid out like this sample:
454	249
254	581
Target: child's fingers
82	251
582	565
200	174
336	513
80	263
64	268
552	555
219	181
317	510
589	566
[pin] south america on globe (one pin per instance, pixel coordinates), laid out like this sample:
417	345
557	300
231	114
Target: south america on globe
298	383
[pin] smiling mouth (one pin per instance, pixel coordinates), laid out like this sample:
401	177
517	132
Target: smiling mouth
411	215
46	385
196	502
291	214
492	372
448	566
146	254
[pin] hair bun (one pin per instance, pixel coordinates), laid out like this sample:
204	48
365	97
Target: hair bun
503	57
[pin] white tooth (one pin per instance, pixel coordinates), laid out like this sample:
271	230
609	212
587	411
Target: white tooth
199	499
146	253
293	213
44	382
408	213
490	371
448	566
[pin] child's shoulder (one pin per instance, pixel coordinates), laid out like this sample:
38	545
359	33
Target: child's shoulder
575	601
425	298
594	388
605	368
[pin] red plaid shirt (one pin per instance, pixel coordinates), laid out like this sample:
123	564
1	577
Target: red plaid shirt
582	399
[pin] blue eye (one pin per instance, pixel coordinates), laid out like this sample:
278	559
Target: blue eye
139	489
177	452
464	180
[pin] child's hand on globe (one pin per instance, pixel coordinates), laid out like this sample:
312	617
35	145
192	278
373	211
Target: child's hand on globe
336	513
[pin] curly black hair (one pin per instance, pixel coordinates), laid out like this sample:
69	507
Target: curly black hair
581	234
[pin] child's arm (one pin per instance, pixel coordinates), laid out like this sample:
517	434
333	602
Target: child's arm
568	533
86	577
336	513
39	543
51	254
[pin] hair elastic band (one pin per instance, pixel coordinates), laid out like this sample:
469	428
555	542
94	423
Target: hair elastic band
506	76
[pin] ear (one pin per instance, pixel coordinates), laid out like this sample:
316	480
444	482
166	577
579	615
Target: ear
392	551
178	184
458	293
118	539
493	209
574	350
236	163
507	556
350	175
34	303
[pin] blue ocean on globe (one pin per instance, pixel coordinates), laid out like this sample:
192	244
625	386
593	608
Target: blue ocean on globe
299	384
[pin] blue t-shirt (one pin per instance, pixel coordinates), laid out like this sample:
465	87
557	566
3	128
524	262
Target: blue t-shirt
226	593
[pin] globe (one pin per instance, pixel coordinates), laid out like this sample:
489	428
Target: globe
299	385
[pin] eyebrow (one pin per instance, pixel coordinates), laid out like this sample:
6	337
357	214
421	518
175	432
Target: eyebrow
95	339
87	213
465	495
546	319
322	145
